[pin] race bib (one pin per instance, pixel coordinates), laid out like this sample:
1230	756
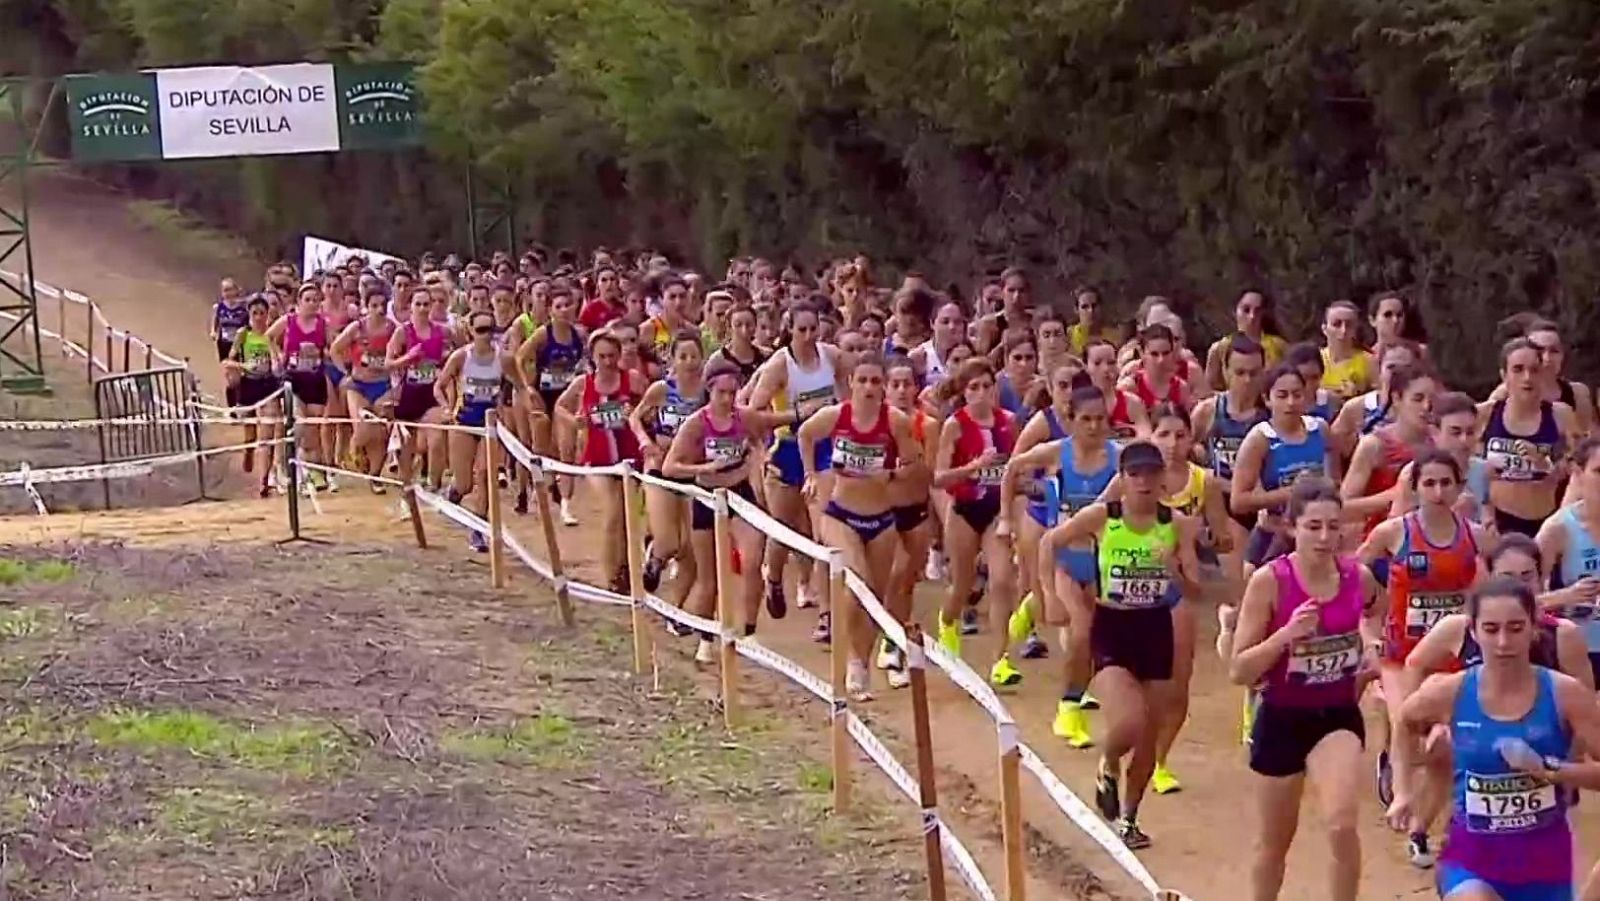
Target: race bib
424	373
1224	452
482	391
808	402
725	451
1517	459
307	359
261	364
372	361
609	414
992	475
855	458
554	379
1424	611
672	415
1326	659
1138	587
1508	802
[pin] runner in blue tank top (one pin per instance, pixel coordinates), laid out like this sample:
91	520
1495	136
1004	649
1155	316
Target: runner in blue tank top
1571	550
1525	439
1288	446
1078	468
1512	726
1221	423
1045	426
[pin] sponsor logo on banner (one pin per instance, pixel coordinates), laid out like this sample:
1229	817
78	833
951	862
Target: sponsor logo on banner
378	106
113	117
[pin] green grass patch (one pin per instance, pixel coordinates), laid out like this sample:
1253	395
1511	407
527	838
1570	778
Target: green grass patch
15	572
814	778
188	235
548	739
24	622
298	748
207	815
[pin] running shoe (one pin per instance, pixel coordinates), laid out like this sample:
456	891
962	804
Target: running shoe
1034	649
806	597
377	488
477	542
705	652
1131	834
1163	781
1090	702
1004	674
502	479
886	658
677	629
652	572
333	484
521	506
823	633
969	622
777	604
318	479
899	677
266	489
858	681
1385	779
950	636
935	569
1418	851
1072	725
567	517
1107	799
1020	625
453	496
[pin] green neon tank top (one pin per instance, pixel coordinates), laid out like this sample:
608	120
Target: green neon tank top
1132	574
255	353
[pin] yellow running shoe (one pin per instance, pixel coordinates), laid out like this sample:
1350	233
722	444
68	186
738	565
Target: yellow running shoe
1003	673
1020	625
1163	781
1248	718
1072	725
950	636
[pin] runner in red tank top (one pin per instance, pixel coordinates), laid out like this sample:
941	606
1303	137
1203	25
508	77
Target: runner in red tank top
1372	481
1127	413
597	404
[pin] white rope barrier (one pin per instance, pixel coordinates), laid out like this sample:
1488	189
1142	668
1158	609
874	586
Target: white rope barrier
693	491
126	469
339	471
765	523
33	493
679	615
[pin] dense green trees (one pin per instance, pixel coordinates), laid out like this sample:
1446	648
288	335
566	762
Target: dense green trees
1325	148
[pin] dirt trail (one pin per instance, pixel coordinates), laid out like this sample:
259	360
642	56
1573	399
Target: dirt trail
86	240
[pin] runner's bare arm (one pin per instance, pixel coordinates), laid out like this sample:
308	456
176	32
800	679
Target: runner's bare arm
643	411
566	411
817	426
685	444
340	349
771	378
444	387
1081	526
1044	456
526	358
1380	542
1357	503
1246	493
1215	511
1439	647
1255	650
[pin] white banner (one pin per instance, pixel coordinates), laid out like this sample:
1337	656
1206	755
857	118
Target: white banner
234	111
320	253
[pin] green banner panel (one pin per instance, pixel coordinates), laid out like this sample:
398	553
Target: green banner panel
379	106
114	117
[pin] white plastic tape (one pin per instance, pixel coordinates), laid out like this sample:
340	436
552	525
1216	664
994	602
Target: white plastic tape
615	469
33	493
247	408
967	680
541	568
123	470
875	749
891	627
1087	820
454	512
761	654
310	486
519	451
334	470
694	491
585	592
678	615
959	857
772	528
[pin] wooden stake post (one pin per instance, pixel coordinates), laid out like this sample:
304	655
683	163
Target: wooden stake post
491	485
722	536
634	532
540	483
928	791
415	511
1011	814
839	657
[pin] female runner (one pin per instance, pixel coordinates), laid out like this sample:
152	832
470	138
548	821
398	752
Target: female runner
1221	423
229	315
1362	414
869	443
1348	369
599	402
1146	561
1129	416
1545	336
1288	446
1078	469
1569	542
654	420
909	492
470	384
1307	634
362	349
1372	482
741	349
712	446
1455	430
338	312
1395	322
805	376
250	362
1016	381
1513	727
1525	440
416	351
974	445
547	364
300	340
1046	425
932	357
1092	323
1252	319
1432	557
1157	379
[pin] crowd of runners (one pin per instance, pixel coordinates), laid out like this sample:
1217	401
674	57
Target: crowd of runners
1072	478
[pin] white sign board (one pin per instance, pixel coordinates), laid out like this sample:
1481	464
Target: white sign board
320	253
234	111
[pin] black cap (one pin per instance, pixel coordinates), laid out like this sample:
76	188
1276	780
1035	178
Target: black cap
1141	455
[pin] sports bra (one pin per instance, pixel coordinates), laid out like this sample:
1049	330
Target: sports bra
1517	456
